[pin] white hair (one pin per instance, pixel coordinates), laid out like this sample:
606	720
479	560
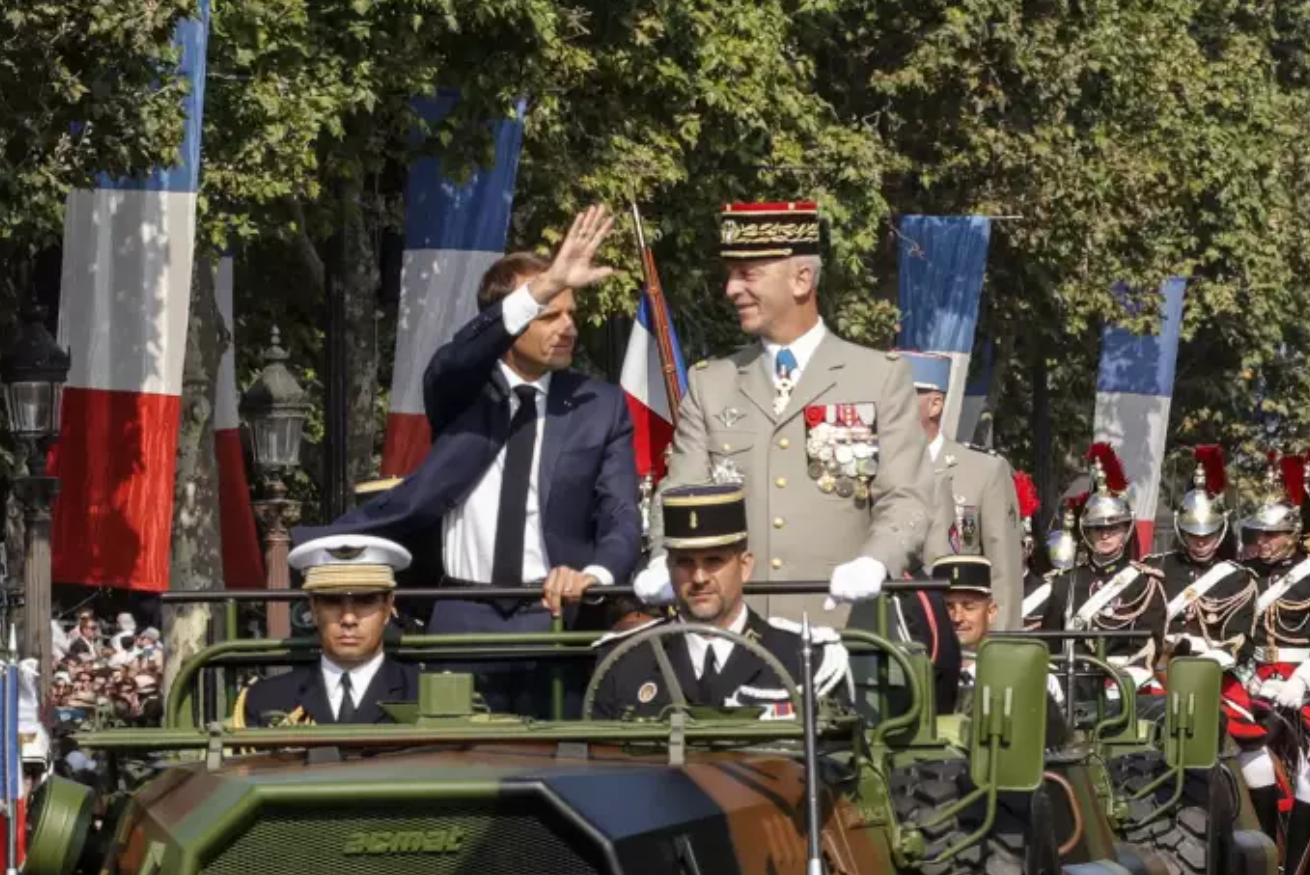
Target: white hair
815	264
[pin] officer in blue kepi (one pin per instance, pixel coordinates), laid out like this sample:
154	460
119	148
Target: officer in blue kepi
710	563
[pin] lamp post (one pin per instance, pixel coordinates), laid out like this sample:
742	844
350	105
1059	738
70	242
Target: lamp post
33	370
275	409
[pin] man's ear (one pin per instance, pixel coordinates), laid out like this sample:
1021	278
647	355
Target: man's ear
802	280
747	565
937	405
991	613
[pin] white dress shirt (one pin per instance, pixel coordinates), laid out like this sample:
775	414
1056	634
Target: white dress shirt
802	348
469	530
935	446
697	644
360	678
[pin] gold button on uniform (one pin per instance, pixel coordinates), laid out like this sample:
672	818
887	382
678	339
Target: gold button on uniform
778	523
783	443
777	563
780	482
727	447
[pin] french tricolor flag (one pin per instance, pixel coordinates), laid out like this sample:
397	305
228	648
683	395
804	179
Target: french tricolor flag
453	232
642	380
125	293
243	562
1133	393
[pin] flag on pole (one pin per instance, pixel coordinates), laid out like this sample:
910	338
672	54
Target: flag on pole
453	232
975	394
1133	393
243	563
943	260
642	379
125	293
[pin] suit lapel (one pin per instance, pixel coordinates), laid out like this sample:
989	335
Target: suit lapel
818	377
559	404
314	697
755	380
742	668
388	685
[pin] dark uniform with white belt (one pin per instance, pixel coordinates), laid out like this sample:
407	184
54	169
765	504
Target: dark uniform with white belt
706	535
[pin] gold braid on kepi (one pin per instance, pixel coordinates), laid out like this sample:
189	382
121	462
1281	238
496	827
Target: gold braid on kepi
349	578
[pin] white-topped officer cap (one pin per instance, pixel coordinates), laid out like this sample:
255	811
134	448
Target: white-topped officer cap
349	563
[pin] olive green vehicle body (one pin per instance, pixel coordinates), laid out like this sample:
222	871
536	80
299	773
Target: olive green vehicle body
458	792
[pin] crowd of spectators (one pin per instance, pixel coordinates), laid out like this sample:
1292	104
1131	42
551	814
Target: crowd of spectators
112	677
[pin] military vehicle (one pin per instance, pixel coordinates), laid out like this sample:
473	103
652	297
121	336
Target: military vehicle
450	788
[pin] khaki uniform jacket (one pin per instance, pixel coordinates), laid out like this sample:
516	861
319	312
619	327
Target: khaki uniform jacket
985	482
796	531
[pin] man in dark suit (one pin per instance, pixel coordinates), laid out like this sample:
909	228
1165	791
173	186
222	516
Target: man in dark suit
531	478
709	565
350	581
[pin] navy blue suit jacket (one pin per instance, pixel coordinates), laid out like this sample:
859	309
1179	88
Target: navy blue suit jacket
588	486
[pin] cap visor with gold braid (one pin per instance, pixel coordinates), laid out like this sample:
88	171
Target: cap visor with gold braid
778	230
341	564
696	517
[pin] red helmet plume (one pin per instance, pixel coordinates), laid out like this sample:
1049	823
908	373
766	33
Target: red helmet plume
1115	480
1294	478
1076	503
1026	491
1211	459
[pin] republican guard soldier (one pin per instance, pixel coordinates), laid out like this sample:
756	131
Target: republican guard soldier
1106	589
821	434
1036	588
350	579
710	561
1280	669
975	511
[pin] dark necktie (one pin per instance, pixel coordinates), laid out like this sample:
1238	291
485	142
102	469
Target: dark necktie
512	517
346	713
708	677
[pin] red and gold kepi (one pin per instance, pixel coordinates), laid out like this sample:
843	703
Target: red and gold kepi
778	230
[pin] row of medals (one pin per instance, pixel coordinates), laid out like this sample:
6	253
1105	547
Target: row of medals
843	459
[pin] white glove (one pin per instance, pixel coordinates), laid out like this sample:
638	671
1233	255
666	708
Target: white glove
1223	657
1271	689
855	581
653	585
1292	693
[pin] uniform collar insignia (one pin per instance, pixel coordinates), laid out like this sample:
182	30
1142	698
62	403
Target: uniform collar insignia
729	416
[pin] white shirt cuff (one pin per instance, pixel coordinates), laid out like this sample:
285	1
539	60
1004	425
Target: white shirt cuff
519	309
601	573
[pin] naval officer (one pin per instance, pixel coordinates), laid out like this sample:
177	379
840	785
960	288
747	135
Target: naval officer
976	509
822	435
350	579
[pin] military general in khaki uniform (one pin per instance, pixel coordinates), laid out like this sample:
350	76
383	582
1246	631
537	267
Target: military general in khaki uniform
823	434
976	508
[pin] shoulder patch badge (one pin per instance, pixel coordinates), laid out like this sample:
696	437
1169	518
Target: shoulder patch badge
647	692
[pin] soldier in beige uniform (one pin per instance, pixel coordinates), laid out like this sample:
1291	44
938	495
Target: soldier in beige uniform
823	434
976	510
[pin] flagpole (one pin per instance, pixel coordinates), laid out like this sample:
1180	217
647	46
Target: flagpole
660	318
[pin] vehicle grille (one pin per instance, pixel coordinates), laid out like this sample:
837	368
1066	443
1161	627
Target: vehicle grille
390	840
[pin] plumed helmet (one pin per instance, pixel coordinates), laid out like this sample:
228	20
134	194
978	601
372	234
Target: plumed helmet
1280	511
1107	505
1061	544
1201	511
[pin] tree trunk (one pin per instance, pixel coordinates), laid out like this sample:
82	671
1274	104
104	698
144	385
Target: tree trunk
196	563
1044	473
357	278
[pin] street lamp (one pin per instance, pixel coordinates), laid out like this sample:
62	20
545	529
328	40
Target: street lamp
33	370
275	409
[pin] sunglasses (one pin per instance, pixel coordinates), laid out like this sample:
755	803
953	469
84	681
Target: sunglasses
361	601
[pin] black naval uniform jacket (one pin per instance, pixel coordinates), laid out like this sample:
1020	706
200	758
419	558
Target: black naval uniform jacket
1227	626
1281	625
636	681
1081	581
303	688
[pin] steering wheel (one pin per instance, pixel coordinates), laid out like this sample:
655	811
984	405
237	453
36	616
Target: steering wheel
655	636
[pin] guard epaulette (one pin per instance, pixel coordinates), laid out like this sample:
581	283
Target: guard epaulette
1147	569
611	637
1149	556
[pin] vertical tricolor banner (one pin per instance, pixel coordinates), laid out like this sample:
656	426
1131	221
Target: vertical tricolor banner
125	293
975	394
943	260
243	564
1133	391
642	380
454	231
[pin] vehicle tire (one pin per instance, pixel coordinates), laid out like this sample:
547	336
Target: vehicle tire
1022	840
1197	838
